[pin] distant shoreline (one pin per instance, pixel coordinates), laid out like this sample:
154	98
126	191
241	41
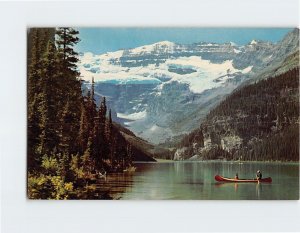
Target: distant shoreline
227	161
164	160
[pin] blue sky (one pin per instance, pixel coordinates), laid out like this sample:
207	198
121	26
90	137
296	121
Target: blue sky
102	40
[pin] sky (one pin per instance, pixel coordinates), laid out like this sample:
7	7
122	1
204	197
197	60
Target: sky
102	40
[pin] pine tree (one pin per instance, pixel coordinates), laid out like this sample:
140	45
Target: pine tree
109	128
67	38
71	92
37	45
34	71
102	113
100	147
91	108
49	105
65	129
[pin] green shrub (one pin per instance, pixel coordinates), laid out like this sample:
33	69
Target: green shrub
48	187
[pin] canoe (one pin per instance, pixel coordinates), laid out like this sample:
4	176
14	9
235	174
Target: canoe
224	179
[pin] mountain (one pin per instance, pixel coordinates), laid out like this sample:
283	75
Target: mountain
259	121
141	149
164	90
284	56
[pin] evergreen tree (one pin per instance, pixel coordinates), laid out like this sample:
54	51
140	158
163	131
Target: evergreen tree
49	104
68	138
71	96
67	38
65	129
84	133
100	144
37	45
91	108
108	125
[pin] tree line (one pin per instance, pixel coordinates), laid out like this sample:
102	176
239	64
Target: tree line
70	139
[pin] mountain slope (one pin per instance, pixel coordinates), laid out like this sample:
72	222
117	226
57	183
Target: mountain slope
141	149
257	122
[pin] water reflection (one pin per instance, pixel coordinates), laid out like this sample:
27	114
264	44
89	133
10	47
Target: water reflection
112	185
258	190
195	180
233	186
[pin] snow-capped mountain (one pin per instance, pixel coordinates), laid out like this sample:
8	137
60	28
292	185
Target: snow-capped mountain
164	89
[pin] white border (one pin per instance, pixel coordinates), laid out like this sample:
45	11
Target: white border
22	216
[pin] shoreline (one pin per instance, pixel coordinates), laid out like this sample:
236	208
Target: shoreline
164	160
225	161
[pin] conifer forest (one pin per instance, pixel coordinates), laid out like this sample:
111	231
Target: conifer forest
116	117
70	140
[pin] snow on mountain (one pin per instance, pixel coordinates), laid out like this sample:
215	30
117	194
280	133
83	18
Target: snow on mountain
165	89
237	50
199	73
205	72
133	116
102	69
139	82
233	44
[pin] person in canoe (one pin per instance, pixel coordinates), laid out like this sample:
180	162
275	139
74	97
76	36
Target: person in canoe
258	175
236	176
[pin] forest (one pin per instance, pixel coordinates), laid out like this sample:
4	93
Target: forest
264	115
70	140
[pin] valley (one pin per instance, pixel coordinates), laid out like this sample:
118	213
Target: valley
164	91
162	120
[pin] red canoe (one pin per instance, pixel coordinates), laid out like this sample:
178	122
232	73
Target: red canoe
224	179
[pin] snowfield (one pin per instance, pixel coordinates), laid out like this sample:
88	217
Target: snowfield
146	85
133	116
206	74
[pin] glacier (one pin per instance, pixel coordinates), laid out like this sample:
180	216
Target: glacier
205	71
163	90
139	82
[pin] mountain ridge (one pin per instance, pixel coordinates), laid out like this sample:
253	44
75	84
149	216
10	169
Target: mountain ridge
166	83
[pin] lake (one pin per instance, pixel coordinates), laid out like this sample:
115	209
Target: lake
195	181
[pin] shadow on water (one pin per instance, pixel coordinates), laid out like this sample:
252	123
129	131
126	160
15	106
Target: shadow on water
110	187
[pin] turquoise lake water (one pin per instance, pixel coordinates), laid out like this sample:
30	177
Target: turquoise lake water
195	181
